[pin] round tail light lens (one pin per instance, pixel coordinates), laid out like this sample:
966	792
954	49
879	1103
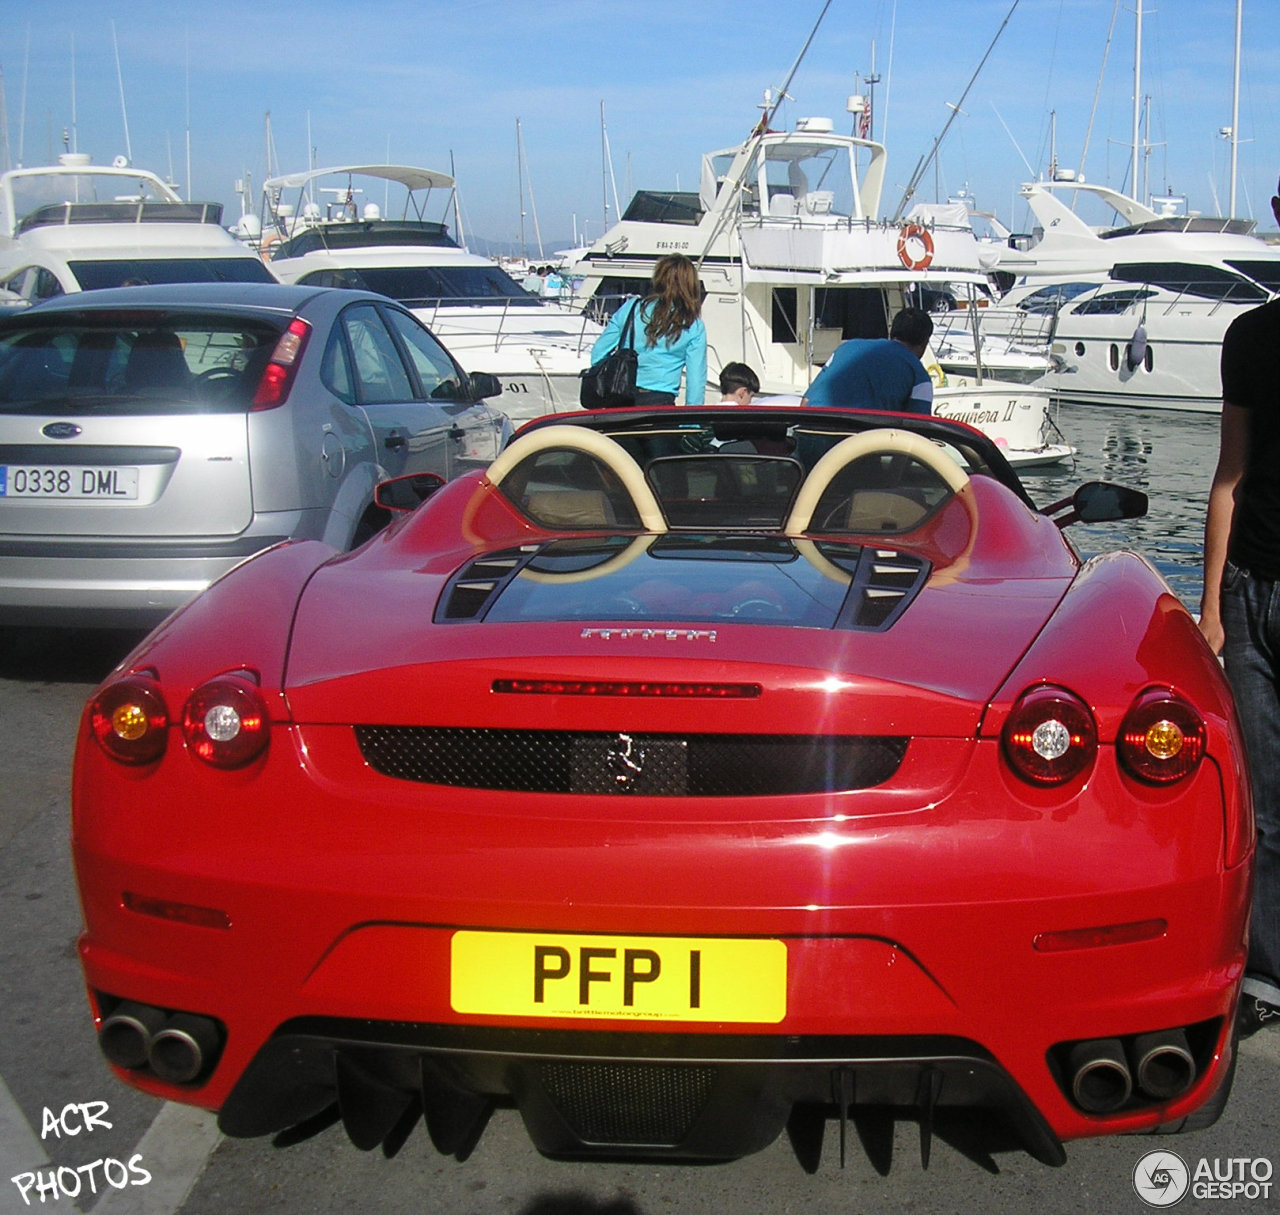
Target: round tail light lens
225	722
129	720
1050	737
1162	738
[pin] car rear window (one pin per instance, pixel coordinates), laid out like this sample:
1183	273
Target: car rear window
149	364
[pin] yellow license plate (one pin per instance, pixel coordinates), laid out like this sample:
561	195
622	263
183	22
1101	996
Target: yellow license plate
528	974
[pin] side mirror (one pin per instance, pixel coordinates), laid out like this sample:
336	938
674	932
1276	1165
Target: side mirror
405	494
1098	502
483	385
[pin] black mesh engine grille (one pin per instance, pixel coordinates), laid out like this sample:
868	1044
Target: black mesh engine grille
628	1103
653	765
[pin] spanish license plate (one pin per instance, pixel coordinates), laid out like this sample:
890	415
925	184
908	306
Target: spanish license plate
525	974
79	482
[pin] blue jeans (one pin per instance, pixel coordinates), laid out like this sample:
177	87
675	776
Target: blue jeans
1251	655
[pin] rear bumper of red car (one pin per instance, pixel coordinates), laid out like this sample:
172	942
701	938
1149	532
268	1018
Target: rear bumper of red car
917	977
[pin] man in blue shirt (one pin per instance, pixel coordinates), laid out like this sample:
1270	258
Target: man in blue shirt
875	373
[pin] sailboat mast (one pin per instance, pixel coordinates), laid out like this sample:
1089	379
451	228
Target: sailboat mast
1137	96
524	250
1235	111
124	113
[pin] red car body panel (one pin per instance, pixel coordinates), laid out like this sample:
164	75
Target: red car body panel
919	906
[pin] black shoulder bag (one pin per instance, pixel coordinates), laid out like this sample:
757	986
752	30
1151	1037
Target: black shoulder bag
611	383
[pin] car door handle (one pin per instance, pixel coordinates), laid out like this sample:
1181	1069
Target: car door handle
456	432
394	440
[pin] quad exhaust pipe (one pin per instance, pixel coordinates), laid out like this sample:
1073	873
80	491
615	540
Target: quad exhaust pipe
178	1047
1162	1064
1104	1072
1100	1079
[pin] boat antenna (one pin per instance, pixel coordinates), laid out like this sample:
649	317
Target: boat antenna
1097	89
4	123
187	47
524	247
124	113
926	160
457	202
768	110
75	142
766	116
22	108
606	169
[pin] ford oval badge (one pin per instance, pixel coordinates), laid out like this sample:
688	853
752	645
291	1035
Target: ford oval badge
60	430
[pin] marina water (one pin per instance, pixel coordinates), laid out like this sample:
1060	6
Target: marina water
1169	455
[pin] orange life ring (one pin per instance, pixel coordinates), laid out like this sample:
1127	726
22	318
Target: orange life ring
919	235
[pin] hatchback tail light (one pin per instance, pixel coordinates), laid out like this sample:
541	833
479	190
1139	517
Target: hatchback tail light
225	722
129	720
1050	736
1162	738
278	376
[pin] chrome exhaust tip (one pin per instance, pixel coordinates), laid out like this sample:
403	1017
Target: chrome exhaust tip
126	1035
1100	1078
182	1049
1162	1064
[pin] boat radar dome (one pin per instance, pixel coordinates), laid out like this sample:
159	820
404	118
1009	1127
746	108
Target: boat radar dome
815	126
371	211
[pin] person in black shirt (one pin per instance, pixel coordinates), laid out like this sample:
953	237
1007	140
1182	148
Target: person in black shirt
1240	613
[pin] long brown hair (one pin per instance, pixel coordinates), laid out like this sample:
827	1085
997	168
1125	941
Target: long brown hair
677	296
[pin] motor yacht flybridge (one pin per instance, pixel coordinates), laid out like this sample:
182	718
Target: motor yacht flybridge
76	225
794	260
1141	307
338	232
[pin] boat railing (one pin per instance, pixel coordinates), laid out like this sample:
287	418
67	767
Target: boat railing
502	320
1033	331
65	214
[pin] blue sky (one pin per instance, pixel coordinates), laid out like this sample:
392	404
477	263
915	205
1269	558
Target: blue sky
423	81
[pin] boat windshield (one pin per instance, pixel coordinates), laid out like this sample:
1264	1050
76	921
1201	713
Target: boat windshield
1189	278
1265	272
136	271
31	192
808	179
424	286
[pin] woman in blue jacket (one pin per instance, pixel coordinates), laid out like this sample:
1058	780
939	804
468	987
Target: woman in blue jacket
669	335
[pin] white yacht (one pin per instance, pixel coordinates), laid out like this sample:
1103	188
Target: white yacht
338	236
794	260
75	226
1140	309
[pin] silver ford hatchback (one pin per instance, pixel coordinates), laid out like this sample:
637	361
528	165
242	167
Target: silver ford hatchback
153	437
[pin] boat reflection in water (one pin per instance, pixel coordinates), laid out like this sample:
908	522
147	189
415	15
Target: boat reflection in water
1170	456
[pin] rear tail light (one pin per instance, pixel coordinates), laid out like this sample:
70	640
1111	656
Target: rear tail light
129	720
277	379
1162	738
1050	737
225	722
